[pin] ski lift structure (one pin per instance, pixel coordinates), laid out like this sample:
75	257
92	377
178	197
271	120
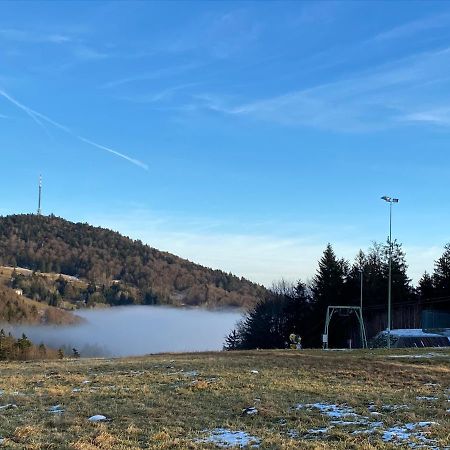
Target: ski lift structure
344	311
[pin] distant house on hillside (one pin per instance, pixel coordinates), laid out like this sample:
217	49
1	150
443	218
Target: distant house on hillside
18	291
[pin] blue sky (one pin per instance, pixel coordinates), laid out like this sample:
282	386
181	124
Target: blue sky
243	136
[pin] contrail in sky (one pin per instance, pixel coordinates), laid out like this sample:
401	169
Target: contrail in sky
39	118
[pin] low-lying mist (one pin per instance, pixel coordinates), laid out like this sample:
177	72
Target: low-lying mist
136	330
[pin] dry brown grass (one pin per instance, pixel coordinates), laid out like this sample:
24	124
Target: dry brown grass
158	401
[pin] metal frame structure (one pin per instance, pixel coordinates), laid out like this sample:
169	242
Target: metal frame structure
352	309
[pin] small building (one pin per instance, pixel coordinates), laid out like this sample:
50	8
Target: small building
18	291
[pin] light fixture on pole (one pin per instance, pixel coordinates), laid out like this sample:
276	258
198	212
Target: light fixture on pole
389	200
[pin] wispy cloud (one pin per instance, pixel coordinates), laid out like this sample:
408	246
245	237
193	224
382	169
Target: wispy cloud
154	75
34	37
416	26
159	96
40	118
364	101
440	117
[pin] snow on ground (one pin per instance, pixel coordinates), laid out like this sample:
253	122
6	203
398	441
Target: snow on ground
407	435
8	406
330	410
420	356
56	409
413	435
98	418
225	438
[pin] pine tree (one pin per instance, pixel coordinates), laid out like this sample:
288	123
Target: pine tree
329	281
233	341
426	287
441	275
401	285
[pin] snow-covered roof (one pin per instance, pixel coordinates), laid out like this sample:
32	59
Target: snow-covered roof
412	332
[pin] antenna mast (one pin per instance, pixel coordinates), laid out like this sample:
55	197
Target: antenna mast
40	195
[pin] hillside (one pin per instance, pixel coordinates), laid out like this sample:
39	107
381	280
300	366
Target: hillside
18	309
202	401
116	269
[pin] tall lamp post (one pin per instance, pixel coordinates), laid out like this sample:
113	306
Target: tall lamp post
361	272
390	200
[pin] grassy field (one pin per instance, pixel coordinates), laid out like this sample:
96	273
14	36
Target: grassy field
301	400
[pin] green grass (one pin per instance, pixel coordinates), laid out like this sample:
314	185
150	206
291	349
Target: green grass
153	401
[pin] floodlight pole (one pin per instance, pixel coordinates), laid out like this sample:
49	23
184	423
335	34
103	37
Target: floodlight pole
389	200
361	303
390	276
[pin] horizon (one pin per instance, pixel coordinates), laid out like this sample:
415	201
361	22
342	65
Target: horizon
240	136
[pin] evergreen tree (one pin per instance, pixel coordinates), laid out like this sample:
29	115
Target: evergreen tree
402	291
233	341
441	275
426	287
328	288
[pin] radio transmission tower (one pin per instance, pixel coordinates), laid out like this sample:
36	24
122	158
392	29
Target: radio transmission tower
40	195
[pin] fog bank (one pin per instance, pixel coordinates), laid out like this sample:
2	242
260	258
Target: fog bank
137	330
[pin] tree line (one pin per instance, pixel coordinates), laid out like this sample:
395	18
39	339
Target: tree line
301	307
22	348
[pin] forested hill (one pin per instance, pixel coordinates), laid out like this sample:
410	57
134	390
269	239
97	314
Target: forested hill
118	270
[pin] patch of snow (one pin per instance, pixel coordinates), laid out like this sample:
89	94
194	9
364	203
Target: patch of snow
76	390
8	406
56	409
346	423
225	438
98	418
319	430
424	355
407	435
330	410
254	371
394	407
251	411
424	397
191	373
